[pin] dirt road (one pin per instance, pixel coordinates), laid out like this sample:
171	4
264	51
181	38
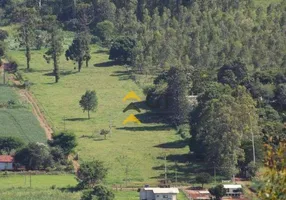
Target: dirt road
28	97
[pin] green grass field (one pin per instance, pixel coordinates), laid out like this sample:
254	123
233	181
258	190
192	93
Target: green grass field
38	181
18	122
138	145
17	187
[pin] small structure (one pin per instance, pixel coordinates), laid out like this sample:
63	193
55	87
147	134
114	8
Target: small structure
6	162
158	193
233	190
199	194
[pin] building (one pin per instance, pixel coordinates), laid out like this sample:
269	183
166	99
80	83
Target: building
158	193
6	162
233	190
199	194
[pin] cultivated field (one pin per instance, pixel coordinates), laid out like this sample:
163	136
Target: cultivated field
19	121
140	147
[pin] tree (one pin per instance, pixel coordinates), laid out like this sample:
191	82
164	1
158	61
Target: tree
8	144
232	74
88	102
280	95
218	191
104	132
105	31
28	18
99	192
274	177
3	35
65	140
122	50
56	46
3	48
176	95
221	121
203	178
79	49
34	156
91	173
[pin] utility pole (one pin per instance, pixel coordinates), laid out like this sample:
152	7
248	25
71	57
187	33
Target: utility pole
252	136
176	171
166	169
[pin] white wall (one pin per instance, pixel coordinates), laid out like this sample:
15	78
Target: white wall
6	166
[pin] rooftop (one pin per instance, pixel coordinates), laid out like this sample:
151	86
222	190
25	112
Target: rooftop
232	186
6	159
163	190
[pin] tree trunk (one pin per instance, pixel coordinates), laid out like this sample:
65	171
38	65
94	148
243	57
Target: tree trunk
86	62
28	56
79	64
88	114
56	70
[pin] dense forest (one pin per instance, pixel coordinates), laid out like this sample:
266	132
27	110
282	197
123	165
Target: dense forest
229	53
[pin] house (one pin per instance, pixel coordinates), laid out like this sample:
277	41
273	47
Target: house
233	190
148	193
199	194
6	162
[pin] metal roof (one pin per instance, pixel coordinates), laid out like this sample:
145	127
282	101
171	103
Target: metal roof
163	190
232	186
6	159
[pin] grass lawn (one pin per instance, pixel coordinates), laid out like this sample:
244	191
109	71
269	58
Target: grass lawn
37	194
18	122
141	147
38	181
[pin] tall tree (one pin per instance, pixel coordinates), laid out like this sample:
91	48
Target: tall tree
28	19
79	50
56	44
222	120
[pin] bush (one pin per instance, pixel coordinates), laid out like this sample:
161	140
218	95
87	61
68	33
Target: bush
65	140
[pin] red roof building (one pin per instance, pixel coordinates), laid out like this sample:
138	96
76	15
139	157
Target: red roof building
6	162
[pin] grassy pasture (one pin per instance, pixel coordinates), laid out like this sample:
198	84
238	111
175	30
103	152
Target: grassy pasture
140	147
38	181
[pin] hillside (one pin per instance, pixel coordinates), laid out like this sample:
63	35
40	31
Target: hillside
140	146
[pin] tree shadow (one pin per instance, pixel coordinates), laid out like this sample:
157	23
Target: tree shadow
101	51
147	128
184	166
106	64
76	119
173	145
63	73
142	105
150	117
120	73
